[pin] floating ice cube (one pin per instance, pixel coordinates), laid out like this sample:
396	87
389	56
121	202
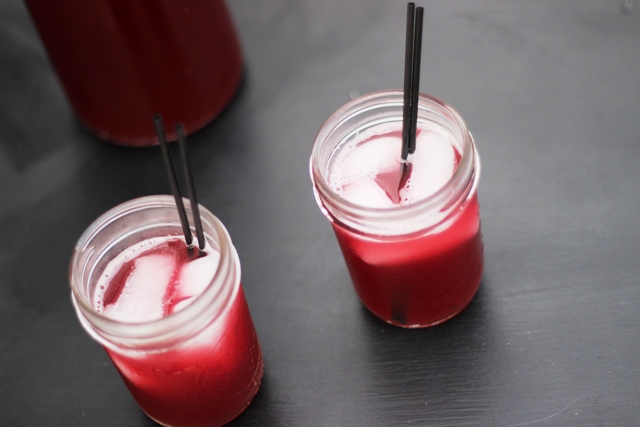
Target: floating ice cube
378	154
433	165
142	298
367	193
195	277
197	274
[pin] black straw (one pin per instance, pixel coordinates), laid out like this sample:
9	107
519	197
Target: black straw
173	181
408	69
413	51
191	188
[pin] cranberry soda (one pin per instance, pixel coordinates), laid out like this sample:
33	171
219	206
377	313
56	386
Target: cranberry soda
173	319
412	243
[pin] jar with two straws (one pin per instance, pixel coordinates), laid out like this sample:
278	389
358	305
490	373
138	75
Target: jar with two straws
172	316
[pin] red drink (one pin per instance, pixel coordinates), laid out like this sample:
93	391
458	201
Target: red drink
207	386
121	62
418	281
174	321
412	243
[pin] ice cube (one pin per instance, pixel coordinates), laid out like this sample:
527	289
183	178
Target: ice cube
381	153
367	193
433	165
197	274
142	298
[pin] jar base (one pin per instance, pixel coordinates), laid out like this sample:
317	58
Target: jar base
427	324
255	382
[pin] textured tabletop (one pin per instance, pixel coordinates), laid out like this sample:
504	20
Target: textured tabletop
551	93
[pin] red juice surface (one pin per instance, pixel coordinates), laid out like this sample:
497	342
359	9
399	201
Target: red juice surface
420	279
121	62
206	380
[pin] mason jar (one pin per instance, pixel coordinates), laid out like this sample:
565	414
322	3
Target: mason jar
413	264
198	366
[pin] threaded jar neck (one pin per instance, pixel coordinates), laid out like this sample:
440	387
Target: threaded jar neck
384	109
125	225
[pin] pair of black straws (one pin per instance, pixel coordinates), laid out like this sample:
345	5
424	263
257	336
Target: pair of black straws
173	180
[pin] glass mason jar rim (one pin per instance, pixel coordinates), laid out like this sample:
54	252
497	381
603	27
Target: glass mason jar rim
163	331
357	217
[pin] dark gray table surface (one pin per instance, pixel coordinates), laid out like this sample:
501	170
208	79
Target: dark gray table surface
551	92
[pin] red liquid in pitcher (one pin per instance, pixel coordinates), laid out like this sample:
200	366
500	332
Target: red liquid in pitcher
207	380
422	279
121	62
